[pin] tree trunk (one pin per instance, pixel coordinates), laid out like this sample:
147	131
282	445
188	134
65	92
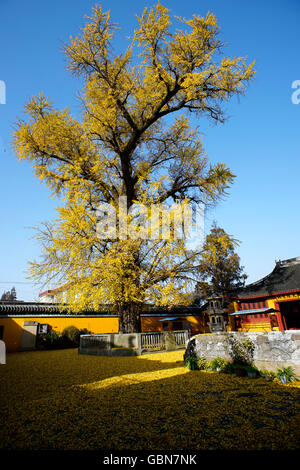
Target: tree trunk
129	318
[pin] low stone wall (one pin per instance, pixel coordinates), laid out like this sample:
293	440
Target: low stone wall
273	349
110	345
132	344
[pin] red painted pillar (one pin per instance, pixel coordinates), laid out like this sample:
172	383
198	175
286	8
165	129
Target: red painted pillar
279	317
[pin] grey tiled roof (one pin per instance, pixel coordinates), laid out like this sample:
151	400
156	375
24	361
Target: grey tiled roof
38	308
285	277
27	307
19	308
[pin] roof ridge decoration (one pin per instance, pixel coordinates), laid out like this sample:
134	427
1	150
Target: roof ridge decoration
288	262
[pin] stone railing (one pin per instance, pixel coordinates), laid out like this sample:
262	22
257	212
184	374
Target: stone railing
164	340
132	344
152	341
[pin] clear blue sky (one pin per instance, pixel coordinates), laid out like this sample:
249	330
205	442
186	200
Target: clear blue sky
260	142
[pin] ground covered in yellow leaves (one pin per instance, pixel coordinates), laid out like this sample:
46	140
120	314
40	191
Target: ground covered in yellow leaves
62	400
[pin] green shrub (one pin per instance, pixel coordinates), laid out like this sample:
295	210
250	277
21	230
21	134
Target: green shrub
202	363
195	363
286	374
70	336
240	351
190	350
190	358
218	363
50	340
84	331
228	368
191	362
267	374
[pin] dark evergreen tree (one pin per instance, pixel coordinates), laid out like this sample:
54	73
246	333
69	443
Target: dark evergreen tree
5	295
220	268
13	294
9	295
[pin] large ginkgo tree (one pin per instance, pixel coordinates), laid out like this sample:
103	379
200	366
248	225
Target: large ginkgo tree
133	140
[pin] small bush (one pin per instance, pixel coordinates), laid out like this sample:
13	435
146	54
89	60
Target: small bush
50	340
84	331
190	350
191	362
194	363
69	338
228	368
218	363
202	363
267	374
240	351
70	335
286	374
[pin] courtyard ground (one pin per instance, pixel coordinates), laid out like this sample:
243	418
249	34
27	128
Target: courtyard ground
62	400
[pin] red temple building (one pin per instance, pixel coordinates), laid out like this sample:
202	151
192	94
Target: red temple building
272	303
